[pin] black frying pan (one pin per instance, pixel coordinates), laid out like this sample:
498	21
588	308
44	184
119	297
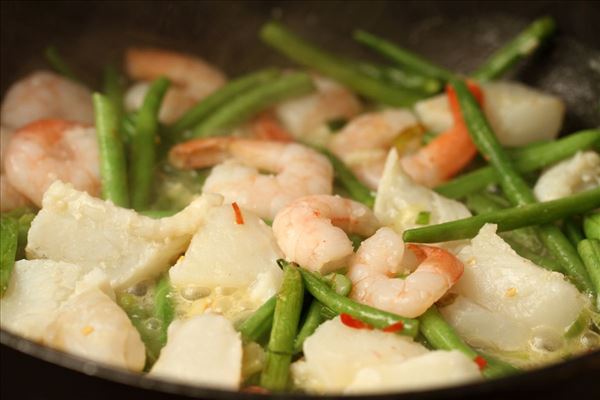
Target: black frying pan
458	35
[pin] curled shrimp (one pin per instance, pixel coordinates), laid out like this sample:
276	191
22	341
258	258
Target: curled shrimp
44	94
10	198
297	171
191	77
312	230
363	144
448	153
48	150
378	260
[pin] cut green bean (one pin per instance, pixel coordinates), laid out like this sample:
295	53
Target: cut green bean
524	160
219	98
113	169
259	323
143	145
164	310
348	180
515	188
58	64
591	226
341	284
524	44
442	336
299	50
589	250
113	89
9	235
402	78
283	333
377	318
311	322
403	57
252	101
507	219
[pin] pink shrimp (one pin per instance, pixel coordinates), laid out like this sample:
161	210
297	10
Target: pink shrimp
49	150
378	260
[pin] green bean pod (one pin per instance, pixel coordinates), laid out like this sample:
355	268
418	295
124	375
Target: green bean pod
442	336
403	78
113	89
259	323
591	226
219	98
9	233
311	322
58	63
303	52
252	101
113	170
283	333
524	44
403	57
377	318
589	250
143	145
164	309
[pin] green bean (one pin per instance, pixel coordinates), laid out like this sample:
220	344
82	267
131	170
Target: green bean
285	324
442	336
219	98
164	310
259	323
377	318
143	145
589	250
253	101
311	322
113	89
279	37
515	188
572	229
327	313
524	44
402	78
24	216
591	226
507	219
403	57
9	233
60	65
525	160
538	259
348	180
113	169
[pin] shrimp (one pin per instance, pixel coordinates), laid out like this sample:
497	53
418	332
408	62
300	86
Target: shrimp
363	144
298	171
448	153
312	230
10	198
49	150
45	94
378	259
192	79
304	116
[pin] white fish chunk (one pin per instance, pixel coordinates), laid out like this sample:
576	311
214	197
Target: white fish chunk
227	254
429	371
77	228
36	290
204	350
90	324
503	290
517	113
343	359
400	200
573	175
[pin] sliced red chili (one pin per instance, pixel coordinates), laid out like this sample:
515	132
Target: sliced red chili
352	322
480	361
239	218
397	327
255	389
